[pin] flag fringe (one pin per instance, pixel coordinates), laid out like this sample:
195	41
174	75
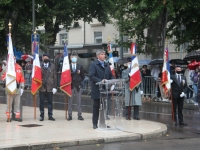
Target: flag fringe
131	89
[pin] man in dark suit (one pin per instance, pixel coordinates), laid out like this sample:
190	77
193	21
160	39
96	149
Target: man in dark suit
77	73
48	87
179	87
98	71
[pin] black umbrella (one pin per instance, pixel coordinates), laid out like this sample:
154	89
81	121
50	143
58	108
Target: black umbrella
178	62
156	62
192	56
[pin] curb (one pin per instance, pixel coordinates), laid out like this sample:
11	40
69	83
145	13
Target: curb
132	137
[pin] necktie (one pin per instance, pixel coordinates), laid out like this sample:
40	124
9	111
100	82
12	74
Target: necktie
179	78
102	63
73	68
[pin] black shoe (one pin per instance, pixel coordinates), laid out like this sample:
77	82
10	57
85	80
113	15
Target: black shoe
80	118
126	118
69	118
176	124
183	124
108	126
198	132
52	119
95	126
18	119
41	118
136	118
9	120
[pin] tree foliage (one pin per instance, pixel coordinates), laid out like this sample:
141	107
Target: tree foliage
51	14
149	21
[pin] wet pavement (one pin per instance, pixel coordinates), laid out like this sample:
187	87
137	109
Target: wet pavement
177	138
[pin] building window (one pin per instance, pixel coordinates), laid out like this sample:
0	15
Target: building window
63	38
97	37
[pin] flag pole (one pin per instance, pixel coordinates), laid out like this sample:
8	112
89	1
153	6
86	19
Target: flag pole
171	97
66	106
34	96
129	107
9	25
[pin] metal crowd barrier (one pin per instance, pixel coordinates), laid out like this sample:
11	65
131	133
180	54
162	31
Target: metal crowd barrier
150	87
28	79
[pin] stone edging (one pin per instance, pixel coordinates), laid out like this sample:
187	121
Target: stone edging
131	137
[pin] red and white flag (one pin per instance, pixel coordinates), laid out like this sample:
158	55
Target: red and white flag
135	77
66	79
166	72
11	84
36	72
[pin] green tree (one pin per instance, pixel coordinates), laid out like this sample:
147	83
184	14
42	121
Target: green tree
184	23
151	21
51	14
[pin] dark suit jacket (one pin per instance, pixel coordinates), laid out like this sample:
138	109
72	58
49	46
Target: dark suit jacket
48	77
77	76
96	74
177	88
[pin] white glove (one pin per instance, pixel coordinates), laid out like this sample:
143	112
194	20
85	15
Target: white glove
112	87
141	92
54	90
171	80
182	94
104	80
21	92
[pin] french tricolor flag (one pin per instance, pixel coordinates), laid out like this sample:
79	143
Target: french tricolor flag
133	49
36	72
135	77
166	72
65	82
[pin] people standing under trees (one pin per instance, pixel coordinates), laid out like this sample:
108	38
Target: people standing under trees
135	98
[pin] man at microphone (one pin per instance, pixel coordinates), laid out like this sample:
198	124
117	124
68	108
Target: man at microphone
98	71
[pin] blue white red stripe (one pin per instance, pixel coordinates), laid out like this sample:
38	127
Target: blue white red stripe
65	82
36	72
133	49
135	77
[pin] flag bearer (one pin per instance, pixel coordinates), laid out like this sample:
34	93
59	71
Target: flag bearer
15	96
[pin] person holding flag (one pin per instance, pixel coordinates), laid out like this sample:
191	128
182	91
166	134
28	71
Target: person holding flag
178	90
48	87
14	79
133	90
